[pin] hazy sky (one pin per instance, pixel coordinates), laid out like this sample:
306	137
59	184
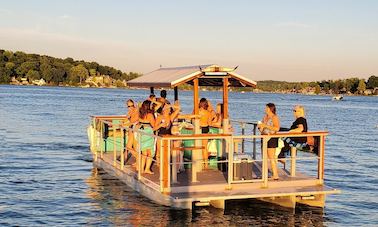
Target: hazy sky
280	40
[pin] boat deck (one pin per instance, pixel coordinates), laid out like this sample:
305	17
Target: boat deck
212	185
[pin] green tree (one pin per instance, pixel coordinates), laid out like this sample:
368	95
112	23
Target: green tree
25	67
8	55
78	74
372	82
317	89
92	72
10	66
33	75
4	76
58	75
361	86
46	72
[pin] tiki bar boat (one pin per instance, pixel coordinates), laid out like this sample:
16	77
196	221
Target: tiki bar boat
228	175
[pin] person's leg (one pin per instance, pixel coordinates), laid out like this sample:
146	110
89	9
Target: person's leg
273	162
179	155
143	161
148	162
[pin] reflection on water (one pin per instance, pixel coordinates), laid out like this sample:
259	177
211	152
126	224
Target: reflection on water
47	178
122	206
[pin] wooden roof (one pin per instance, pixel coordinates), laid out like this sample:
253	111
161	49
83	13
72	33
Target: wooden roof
208	75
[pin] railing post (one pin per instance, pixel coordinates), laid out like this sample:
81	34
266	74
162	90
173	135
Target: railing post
230	176
169	165
254	142
243	133
114	146
321	159
139	157
165	165
174	165
161	178
122	148
293	152
265	162
102	144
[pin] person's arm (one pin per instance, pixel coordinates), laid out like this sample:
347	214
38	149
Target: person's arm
299	128
217	121
128	115
276	124
175	112
211	111
263	124
158	105
209	118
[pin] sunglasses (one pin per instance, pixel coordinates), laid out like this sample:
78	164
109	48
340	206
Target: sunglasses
129	106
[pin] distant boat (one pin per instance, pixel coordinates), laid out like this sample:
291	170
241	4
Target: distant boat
242	92
337	98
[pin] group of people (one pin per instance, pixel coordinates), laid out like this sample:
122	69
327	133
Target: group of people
270	124
153	116
157	116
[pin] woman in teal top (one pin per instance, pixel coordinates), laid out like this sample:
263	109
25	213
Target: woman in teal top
147	125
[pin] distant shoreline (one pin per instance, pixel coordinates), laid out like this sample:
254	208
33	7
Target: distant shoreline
185	89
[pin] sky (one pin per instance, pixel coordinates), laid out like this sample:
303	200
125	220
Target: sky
269	40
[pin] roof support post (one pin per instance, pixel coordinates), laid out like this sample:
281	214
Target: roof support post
176	93
195	96
225	98
151	90
225	105
196	154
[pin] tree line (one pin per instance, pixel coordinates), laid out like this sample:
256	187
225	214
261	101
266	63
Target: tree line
341	86
55	71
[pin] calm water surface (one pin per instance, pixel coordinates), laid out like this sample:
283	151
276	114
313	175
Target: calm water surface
47	177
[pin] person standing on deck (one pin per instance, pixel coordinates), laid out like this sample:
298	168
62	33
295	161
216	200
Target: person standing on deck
205	122
162	100
147	124
163	96
132	118
271	125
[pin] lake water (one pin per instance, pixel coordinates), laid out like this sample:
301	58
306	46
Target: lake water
47	177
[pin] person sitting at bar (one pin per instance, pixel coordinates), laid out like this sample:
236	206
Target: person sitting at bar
205	121
298	126
271	125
